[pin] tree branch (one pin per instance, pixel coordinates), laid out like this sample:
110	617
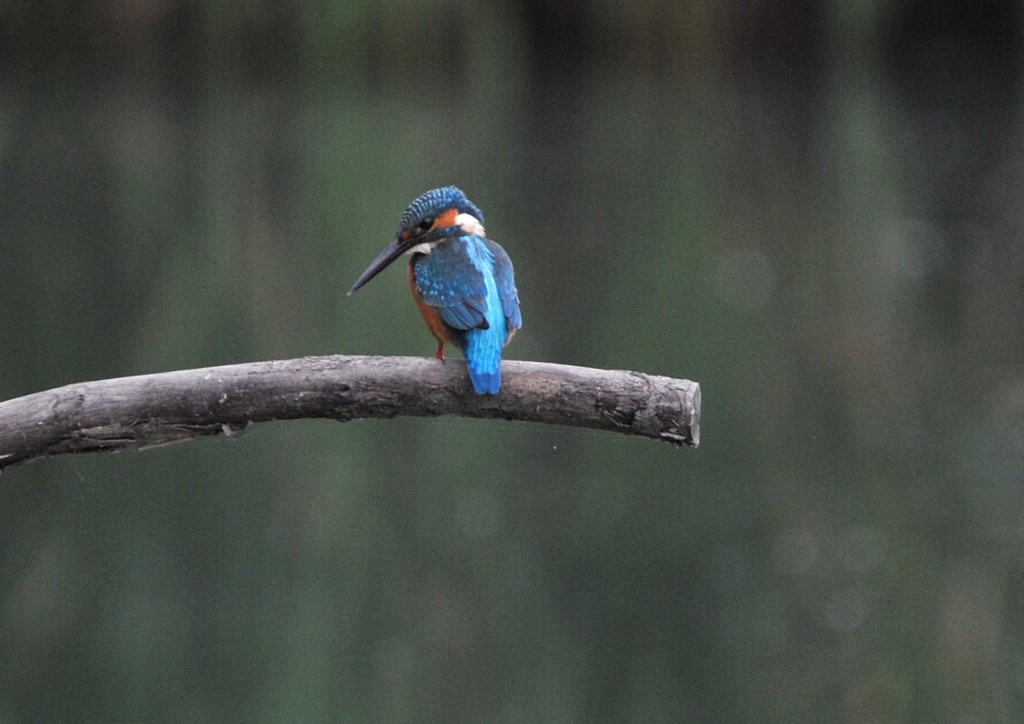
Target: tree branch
156	409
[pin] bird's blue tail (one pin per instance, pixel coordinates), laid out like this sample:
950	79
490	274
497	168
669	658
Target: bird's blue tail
483	357
483	346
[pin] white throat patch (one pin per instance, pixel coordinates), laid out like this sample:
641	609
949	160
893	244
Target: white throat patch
421	248
470	224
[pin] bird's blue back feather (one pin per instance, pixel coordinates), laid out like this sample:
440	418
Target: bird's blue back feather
470	281
484	343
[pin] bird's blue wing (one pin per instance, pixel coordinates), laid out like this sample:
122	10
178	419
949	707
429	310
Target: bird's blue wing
449	281
504	276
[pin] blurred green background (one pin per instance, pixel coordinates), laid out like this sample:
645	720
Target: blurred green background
812	208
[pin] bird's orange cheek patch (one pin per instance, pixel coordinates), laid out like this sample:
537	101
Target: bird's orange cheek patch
446	219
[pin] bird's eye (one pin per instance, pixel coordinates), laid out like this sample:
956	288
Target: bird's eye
425	224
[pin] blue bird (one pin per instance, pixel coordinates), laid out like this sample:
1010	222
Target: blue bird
462	281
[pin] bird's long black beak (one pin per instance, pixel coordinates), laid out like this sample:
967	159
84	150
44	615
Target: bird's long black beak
394	250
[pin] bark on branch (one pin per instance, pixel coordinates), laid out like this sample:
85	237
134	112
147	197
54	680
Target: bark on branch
156	409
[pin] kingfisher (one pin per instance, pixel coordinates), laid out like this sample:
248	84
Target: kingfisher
463	282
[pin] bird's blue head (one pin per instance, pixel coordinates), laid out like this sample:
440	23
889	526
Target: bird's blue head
436	215
423	214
